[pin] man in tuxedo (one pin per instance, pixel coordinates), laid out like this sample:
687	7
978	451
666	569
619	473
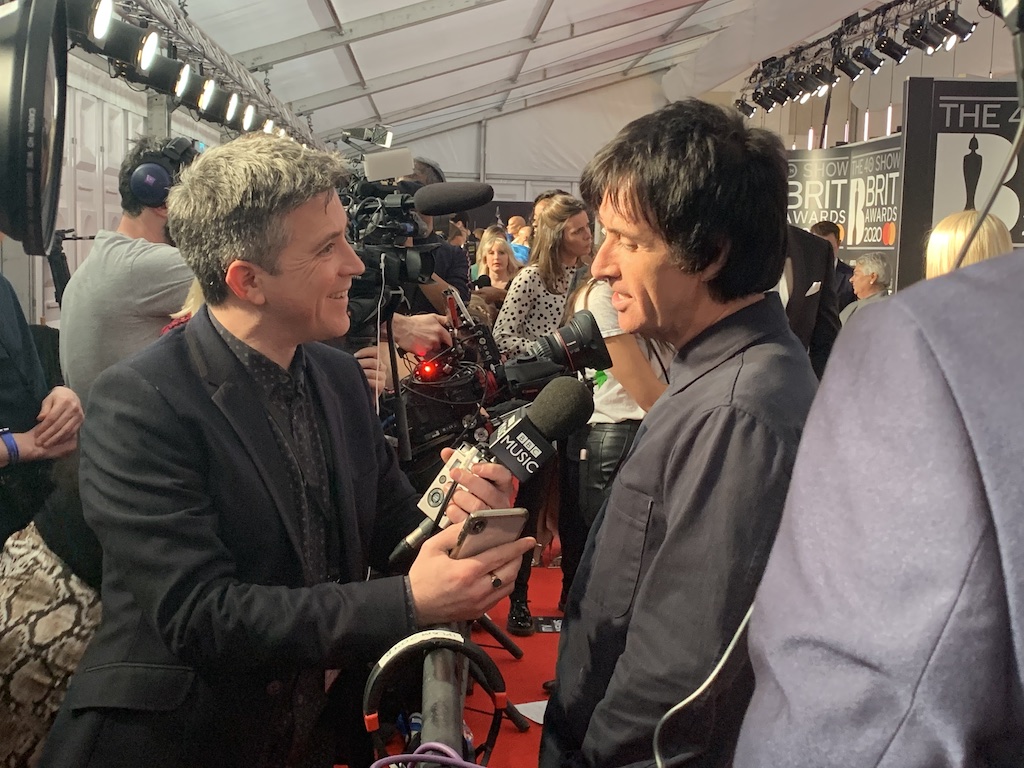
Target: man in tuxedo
807	292
843	280
239	482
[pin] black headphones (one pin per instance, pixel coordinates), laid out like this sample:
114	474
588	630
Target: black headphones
155	174
481	666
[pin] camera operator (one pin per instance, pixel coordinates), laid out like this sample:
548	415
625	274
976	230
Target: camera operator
241	487
451	264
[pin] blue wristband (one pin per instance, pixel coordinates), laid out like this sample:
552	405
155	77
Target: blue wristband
12	445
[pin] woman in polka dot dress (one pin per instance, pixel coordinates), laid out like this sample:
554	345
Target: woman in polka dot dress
534	307
535	302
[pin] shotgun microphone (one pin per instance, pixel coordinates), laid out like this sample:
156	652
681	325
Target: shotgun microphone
452	197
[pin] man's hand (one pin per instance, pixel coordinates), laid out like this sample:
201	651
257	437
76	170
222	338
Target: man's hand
421	334
445	590
376	365
59	418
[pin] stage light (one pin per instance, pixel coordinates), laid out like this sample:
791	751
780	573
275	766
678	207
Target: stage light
886	45
379	134
130	44
209	89
193	91
992	6
268	126
232	110
165	76
746	108
956	24
89	20
777	95
33	86
923	35
868	58
791	89
809	84
828	79
763	100
848	66
215	107
248	117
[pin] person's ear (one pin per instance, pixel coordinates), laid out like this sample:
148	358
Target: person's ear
245	280
710	272
161	211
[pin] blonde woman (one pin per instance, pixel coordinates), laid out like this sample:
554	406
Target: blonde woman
496	259
947	238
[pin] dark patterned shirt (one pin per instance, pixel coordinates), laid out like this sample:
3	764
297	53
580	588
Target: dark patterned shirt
291	412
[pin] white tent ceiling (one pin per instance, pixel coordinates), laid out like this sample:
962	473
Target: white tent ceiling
437	65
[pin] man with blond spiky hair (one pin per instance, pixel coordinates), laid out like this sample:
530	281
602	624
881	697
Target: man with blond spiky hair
238	479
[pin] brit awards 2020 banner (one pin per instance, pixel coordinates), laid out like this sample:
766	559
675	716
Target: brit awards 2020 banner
858	186
958	135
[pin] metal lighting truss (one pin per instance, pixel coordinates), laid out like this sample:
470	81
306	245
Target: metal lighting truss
195	46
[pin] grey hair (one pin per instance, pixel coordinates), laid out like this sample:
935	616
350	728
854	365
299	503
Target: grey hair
876	263
232	201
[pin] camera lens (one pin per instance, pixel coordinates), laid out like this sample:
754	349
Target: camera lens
478	526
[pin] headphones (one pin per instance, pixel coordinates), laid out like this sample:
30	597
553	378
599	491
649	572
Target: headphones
153	177
412	649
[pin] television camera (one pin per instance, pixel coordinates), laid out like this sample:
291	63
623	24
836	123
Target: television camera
447	391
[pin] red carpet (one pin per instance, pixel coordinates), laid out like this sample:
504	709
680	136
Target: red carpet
523	678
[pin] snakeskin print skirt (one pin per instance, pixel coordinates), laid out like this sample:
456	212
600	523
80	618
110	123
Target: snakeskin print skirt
47	617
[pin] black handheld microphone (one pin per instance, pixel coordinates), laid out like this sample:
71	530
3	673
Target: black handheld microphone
452	197
522	444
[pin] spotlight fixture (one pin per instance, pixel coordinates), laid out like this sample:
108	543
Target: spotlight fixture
809	84
828	79
209	89
382	136
130	44
763	100
88	21
165	76
992	6
847	66
746	108
33	81
891	48
193	91
868	58
776	94
791	89
248	117
957	25
215	107
268	125
925	36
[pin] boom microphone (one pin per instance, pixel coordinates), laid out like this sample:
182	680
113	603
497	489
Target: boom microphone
522	445
452	197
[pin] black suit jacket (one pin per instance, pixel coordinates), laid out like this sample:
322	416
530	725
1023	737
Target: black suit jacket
843	285
207	623
815	318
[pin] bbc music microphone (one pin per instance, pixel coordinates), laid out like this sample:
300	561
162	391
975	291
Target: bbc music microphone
452	197
522	444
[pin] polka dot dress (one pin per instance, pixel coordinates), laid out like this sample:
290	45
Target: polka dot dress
529	311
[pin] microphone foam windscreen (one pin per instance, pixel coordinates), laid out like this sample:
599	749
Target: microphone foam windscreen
452	197
563	406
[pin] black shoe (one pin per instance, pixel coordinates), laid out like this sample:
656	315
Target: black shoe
550	687
520	622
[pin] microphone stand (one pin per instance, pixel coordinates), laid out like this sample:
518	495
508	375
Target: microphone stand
401	417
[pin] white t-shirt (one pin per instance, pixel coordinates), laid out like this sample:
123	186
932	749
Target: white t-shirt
612	403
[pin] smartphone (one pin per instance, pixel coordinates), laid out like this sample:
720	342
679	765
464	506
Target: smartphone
487	529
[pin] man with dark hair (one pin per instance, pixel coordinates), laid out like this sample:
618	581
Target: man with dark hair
238	479
693	202
829	230
124	292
